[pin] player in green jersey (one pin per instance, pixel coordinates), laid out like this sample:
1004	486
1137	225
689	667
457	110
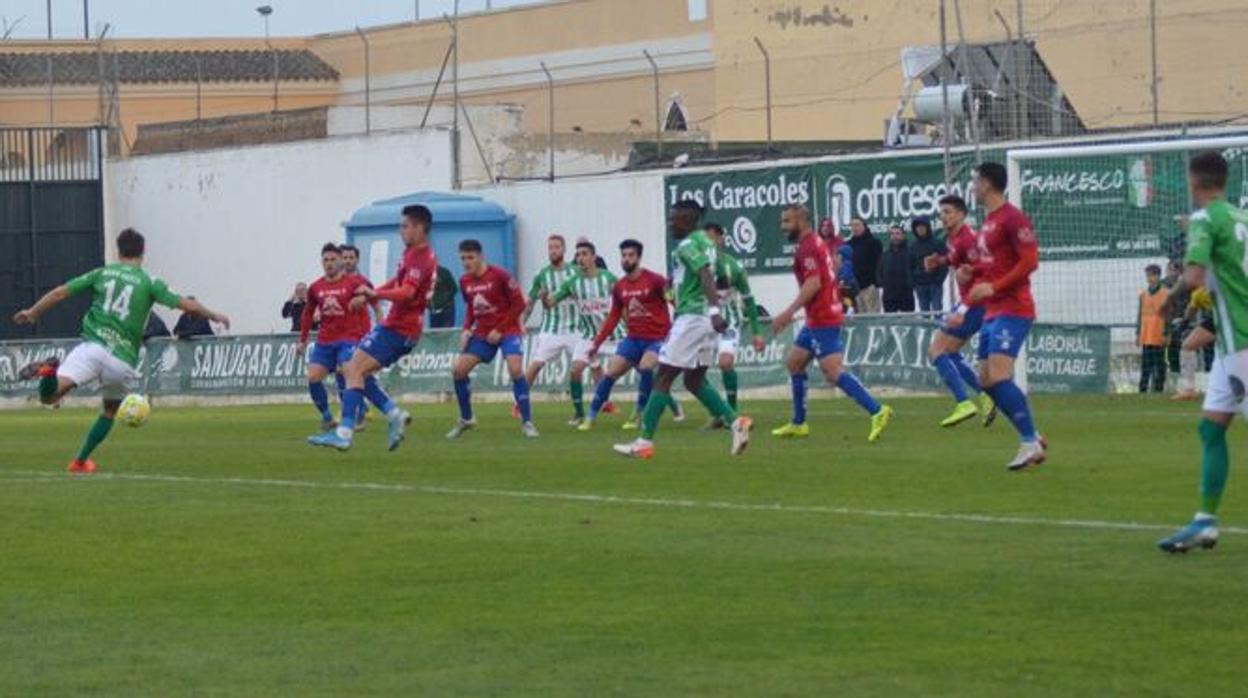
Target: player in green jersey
737	301
122	296
560	330
590	290
690	345
1217	259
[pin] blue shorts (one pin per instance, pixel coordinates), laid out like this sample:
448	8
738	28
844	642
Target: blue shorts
632	349
386	346
512	345
820	341
1003	335
331	355
972	321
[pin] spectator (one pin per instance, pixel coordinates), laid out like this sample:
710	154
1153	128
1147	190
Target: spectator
867	251
293	309
842	261
189	325
929	286
155	328
442	304
1151	331
894	273
1179	324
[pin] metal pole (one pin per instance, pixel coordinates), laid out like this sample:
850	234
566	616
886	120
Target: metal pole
437	83
199	88
99	74
1023	87
767	85
1015	59
946	126
1152	40
658	114
368	82
51	94
417	19
86	20
272	51
476	141
457	166
970	88
49	20
550	126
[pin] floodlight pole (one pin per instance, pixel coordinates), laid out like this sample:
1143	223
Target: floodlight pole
658	114
368	81
767	85
550	120
946	118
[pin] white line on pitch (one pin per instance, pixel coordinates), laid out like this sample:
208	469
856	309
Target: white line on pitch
36	476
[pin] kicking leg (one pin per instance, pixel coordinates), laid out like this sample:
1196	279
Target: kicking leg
799	359
103	424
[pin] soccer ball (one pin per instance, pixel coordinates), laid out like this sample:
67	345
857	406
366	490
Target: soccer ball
134	410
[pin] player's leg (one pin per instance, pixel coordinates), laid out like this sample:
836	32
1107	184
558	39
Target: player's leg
365	370
627	355
321	361
946	356
476	351
1000	342
797	362
100	428
116	379
513	353
576	387
727	358
833	367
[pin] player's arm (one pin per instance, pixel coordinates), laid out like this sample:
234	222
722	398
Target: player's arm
809	289
517	304
612	321
194	307
535	297
1028	261
1199	249
550	300
306	320
31	315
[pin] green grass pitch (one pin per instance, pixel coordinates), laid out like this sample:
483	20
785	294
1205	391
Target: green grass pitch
225	557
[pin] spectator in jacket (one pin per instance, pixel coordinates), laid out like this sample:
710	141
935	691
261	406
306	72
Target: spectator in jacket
894	273
842	260
155	328
929	286
1151	331
442	303
867	251
293	308
192	325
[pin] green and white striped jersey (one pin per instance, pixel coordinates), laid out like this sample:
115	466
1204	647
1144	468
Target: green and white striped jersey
736	300
1217	239
592	295
563	318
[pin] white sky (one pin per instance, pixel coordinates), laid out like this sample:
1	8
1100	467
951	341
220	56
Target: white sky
198	18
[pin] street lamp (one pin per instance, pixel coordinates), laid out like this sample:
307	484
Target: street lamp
265	11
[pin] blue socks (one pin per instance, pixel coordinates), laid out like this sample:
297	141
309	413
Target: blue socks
320	398
644	387
1013	403
351	401
797	382
376	395
856	390
602	393
969	377
464	397
947	367
520	391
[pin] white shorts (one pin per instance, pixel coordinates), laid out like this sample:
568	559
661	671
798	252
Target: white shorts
1227	379
92	363
691	343
581	353
729	342
548	346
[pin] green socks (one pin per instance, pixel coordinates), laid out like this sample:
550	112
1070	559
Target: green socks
578	398
653	413
1214	465
99	432
47	386
709	397
730	387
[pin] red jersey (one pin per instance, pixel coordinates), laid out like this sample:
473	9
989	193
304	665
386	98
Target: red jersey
811	259
642	302
964	249
363	318
1008	254
409	291
331	299
495	302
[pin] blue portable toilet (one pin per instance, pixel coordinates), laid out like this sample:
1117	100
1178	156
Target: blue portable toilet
374	229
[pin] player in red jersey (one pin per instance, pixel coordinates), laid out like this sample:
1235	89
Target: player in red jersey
330	297
408	293
495	304
1008	255
820	337
965	321
639	298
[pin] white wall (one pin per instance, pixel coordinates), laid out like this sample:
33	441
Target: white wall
239	227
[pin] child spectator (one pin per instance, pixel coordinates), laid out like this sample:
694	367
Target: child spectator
1151	331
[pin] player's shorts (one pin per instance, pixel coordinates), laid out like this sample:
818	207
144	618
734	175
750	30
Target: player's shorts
386	346
729	342
549	345
972	323
1005	334
691	343
820	341
511	345
581	353
631	349
331	355
93	363
1228	377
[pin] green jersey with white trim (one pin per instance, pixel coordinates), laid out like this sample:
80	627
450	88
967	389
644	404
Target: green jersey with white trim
563	318
122	296
735	297
690	257
1217	239
592	297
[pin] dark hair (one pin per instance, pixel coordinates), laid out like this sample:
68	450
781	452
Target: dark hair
860	219
995	173
1152	269
419	214
1210	169
688	205
719	229
130	244
330	247
953	200
557	236
587	245
631	244
470	245
349	248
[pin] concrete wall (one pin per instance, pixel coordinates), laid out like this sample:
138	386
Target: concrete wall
240	227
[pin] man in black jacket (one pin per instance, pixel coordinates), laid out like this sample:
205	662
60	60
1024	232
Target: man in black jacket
894	273
867	252
929	286
189	325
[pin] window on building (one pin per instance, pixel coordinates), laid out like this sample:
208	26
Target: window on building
697	10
